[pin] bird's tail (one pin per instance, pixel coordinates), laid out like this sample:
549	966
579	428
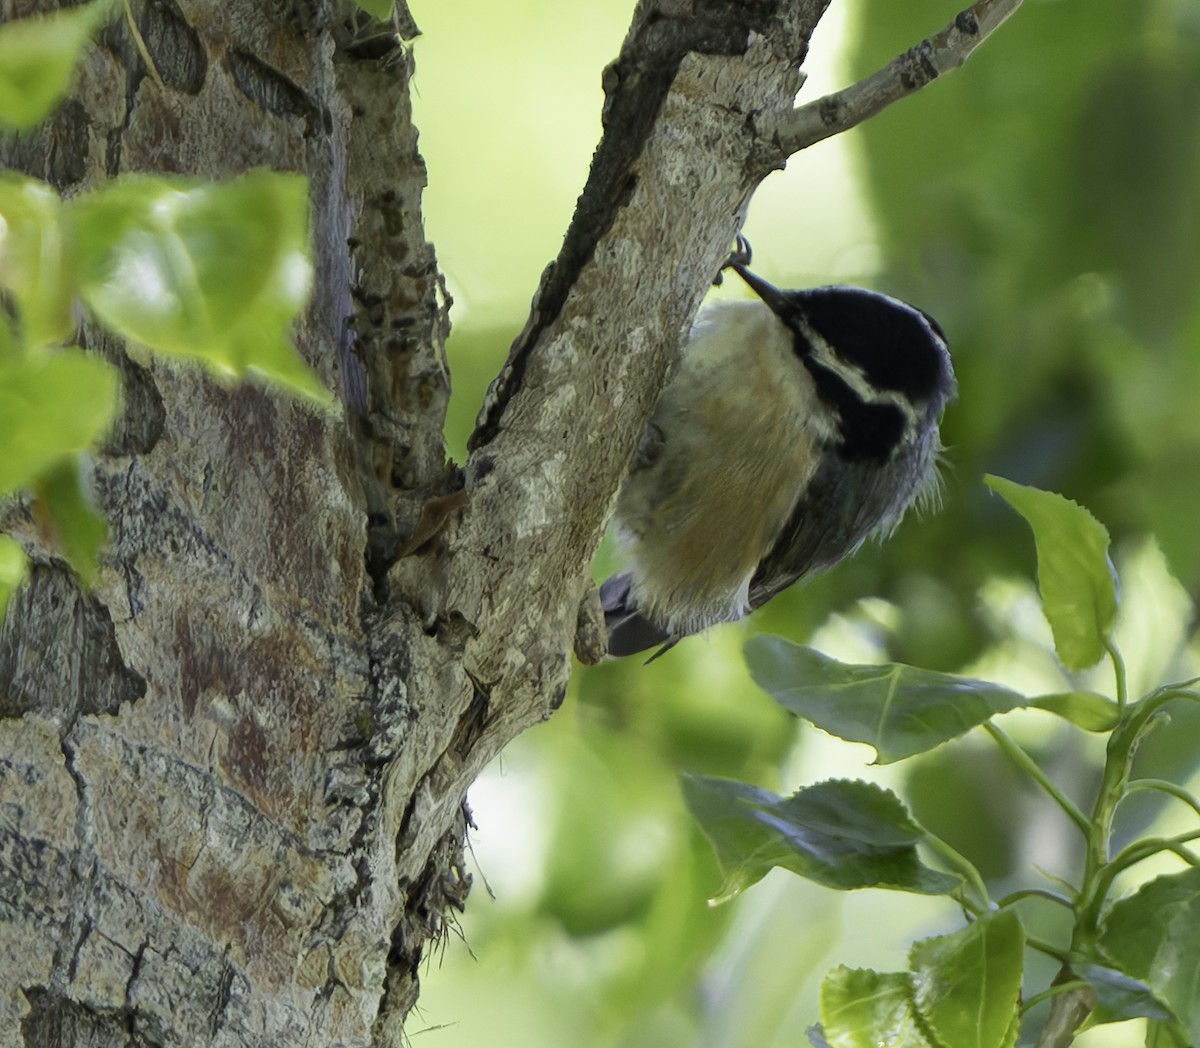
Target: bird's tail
628	632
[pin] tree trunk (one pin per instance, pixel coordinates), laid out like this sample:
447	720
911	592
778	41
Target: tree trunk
232	774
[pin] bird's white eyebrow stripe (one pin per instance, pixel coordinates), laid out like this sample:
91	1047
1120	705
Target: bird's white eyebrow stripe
852	375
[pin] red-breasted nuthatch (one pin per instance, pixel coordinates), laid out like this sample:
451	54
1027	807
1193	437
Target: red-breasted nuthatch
793	428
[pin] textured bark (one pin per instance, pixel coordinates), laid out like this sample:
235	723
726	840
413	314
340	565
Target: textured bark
232	774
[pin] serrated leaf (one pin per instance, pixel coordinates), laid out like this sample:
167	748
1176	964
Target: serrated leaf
1151	936
866	1009
13	568
37	58
1119	996
843	835
380	9
899	710
1085	709
1075	576
34	264
77	530
214	272
51	406
967	985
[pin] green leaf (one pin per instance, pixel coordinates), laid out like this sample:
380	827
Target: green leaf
214	272
1151	936
866	1009
843	835
1075	576
37	58
1084	709
1166	1035
967	985
1014	1030
380	9
51	406
1119	997
34	265
897	709
13	568
78	529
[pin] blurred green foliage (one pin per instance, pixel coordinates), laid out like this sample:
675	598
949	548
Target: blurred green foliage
1042	202
209	272
37	59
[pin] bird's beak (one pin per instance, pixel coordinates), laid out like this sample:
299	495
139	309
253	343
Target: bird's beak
779	303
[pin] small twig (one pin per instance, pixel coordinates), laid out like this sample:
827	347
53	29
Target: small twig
920	65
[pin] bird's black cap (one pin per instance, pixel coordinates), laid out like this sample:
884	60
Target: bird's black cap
897	347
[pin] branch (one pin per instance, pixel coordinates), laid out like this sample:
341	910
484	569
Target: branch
903	76
665	196
1066	1014
636	86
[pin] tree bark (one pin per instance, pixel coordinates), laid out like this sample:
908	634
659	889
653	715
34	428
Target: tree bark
232	774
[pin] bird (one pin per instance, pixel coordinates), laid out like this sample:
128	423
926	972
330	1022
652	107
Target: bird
795	426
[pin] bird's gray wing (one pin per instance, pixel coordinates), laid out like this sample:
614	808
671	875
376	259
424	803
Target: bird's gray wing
843	503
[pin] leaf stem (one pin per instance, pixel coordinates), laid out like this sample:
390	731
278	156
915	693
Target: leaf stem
1118	761
1071	890
1163	786
1119	673
1048	948
964	866
1139	851
1036	893
1028	765
1181	690
1053	991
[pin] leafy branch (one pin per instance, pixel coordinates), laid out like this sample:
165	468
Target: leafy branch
1131	957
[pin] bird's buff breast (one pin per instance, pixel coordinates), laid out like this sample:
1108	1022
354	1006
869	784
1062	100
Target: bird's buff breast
741	439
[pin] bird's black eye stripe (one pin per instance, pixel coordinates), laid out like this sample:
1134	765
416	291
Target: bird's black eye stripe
869	431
